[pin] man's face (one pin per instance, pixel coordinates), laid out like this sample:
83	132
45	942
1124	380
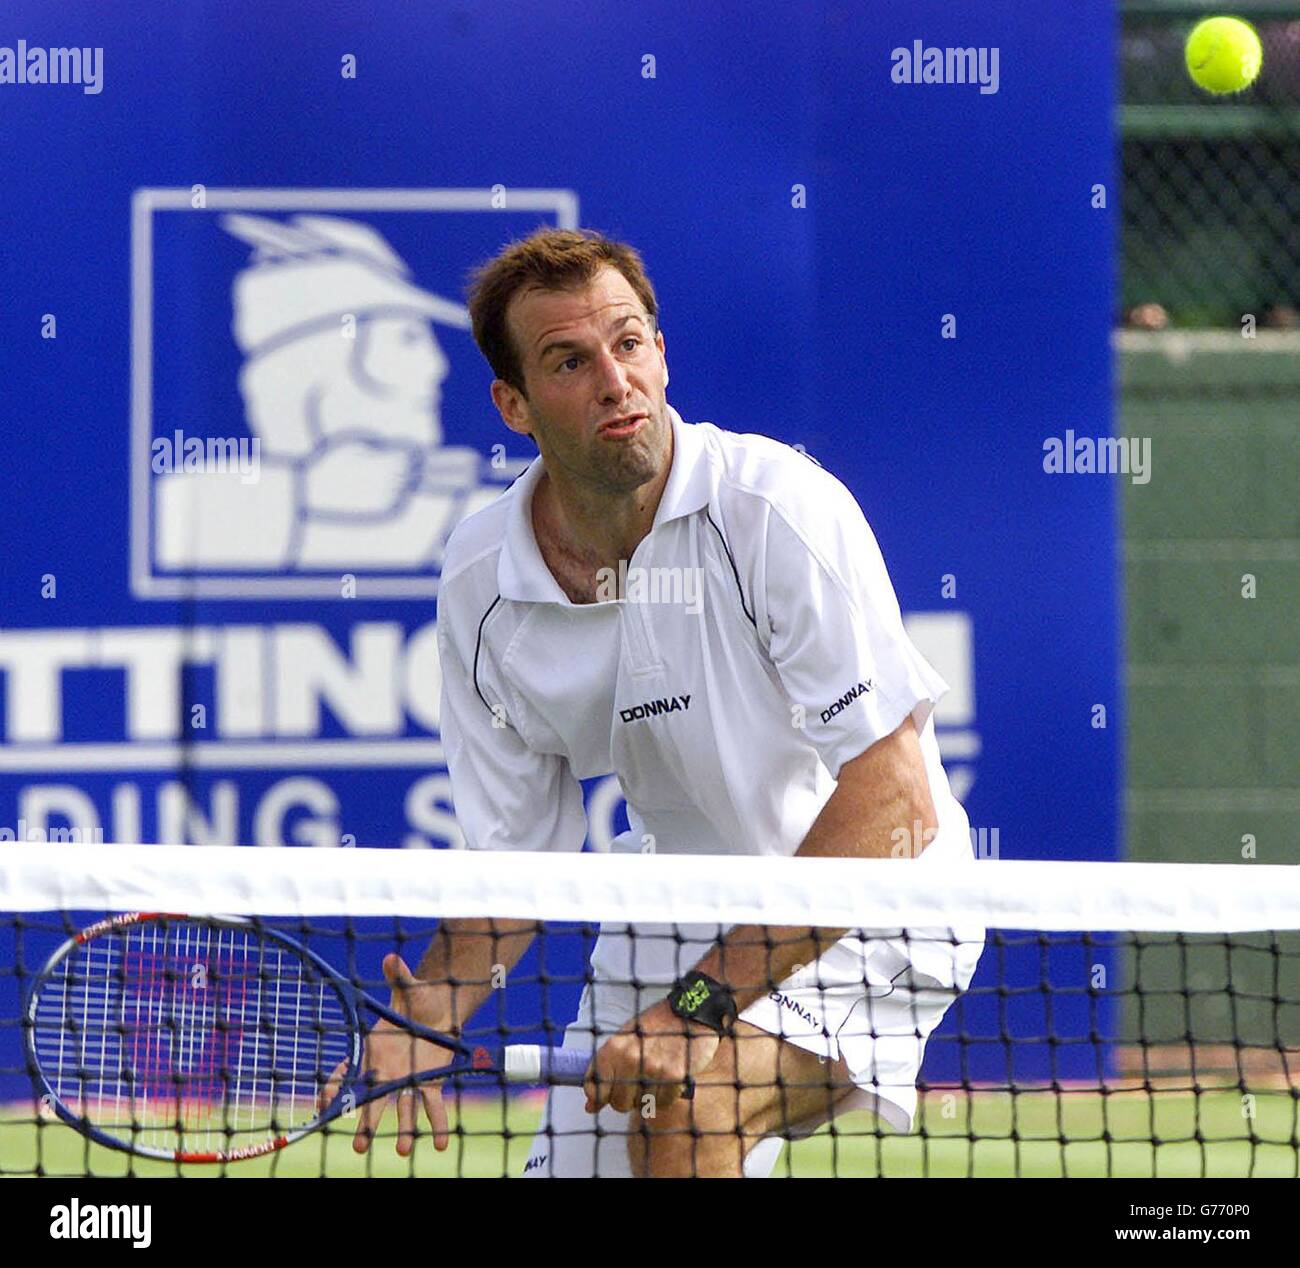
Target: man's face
590	357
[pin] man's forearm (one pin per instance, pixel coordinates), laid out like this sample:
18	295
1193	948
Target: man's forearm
879	793
752	959
466	960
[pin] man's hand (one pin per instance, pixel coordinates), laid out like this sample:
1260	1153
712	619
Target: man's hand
654	1053
393	1053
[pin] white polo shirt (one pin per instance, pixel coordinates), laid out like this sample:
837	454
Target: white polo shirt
763	649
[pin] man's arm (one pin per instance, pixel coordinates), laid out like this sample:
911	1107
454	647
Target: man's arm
456	973
880	792
882	796
507	796
455	977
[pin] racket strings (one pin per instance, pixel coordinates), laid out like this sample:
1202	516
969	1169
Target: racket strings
189	1036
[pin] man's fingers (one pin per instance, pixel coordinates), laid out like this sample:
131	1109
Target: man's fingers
329	1090
396	971
406	1104
369	1114
621	1076
408	1101
666	1094
597	1089
603	1086
435	1110
624	1093
400	979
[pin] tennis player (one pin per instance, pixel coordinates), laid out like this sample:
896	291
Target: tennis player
707	616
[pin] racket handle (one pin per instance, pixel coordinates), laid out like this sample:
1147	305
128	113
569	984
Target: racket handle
564	1065
532	1063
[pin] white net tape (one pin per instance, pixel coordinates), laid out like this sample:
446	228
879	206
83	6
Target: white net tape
861	893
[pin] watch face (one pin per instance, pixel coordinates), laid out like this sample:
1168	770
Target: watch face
692	997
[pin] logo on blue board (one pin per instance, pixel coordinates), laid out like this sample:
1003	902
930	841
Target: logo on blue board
333	359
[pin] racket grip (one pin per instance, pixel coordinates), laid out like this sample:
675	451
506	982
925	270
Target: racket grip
565	1065
530	1063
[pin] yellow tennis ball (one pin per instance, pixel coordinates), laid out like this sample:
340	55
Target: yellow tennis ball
1223	54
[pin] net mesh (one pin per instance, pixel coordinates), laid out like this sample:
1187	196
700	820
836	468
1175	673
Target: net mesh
990	1019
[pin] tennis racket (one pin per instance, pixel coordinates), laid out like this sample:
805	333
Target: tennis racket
213	1039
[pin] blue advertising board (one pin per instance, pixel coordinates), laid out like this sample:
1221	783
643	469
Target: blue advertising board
906	271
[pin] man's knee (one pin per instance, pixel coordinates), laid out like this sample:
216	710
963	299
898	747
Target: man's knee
677	1146
757	1086
709	1135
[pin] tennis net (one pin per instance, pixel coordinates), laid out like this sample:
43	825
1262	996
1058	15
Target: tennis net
995	1018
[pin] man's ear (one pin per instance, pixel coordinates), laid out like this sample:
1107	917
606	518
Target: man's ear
511	406
659	343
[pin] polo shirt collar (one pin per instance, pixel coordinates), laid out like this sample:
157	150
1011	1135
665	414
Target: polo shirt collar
522	572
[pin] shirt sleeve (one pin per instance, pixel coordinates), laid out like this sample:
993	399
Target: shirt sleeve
835	631
506	795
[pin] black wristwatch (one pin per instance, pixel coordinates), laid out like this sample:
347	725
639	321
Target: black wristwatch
697	997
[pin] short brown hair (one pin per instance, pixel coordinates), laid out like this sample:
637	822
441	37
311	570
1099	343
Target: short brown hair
551	260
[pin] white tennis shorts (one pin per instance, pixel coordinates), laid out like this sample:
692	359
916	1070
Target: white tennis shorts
876	1019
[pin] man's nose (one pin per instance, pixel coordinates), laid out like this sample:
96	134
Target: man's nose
611	377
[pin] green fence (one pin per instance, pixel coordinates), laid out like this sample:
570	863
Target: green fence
1212	595
1211	548
1211	545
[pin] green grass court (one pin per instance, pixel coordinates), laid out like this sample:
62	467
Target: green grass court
1041	1134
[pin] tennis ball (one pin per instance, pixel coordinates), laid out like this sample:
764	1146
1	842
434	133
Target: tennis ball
1223	54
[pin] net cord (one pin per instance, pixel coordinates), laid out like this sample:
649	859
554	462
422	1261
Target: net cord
682	889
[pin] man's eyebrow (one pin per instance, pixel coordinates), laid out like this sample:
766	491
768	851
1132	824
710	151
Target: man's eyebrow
558	344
